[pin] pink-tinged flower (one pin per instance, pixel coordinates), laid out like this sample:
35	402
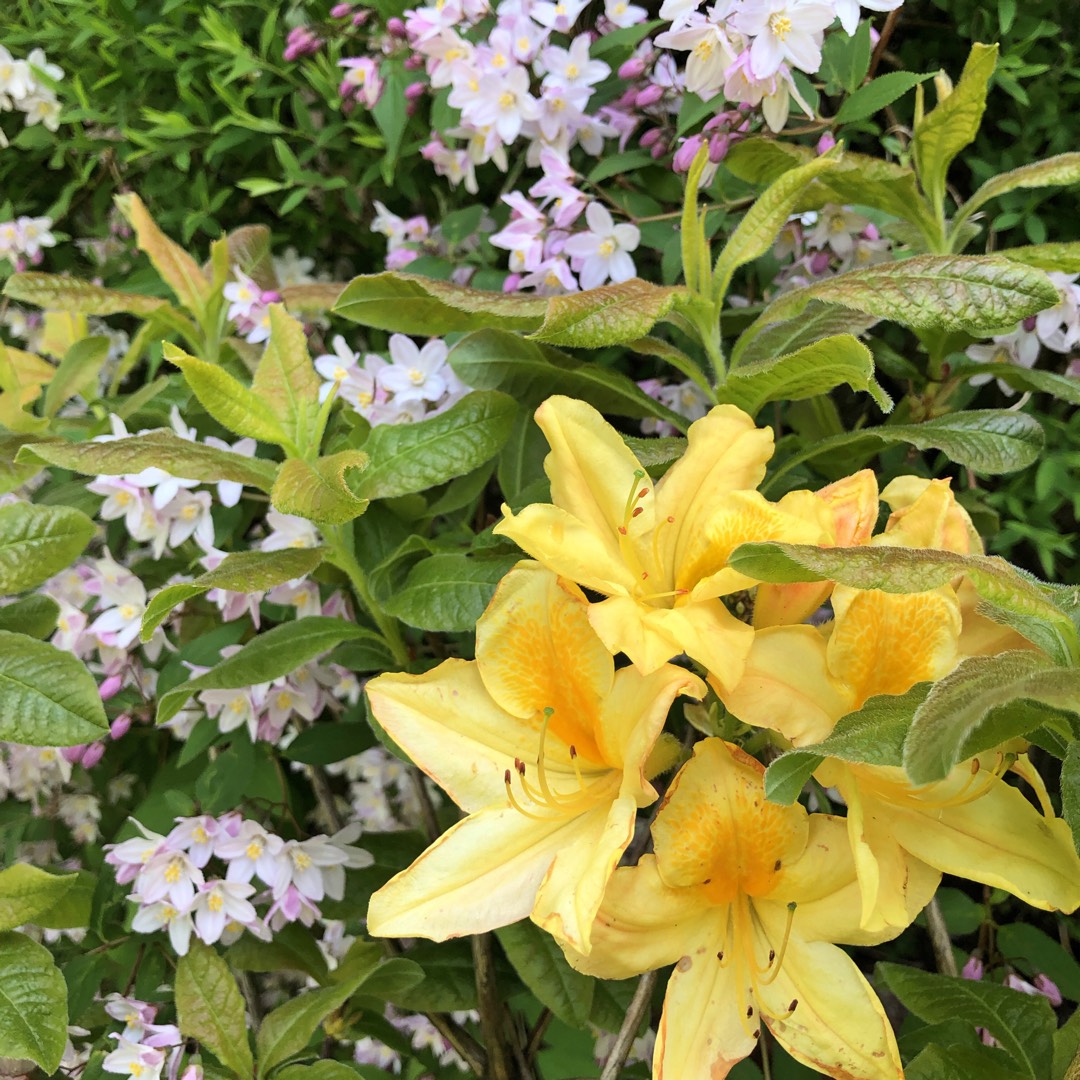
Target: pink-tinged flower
196	836
782	30
35	234
623	14
1020	348
288	531
836	228
221	902
291	907
153	917
415	374
130	856
573	66
134	1013
603	251
973	969
362	80
189	516
551	278
504	102
134	1060
253	851
558	15
243	295
711	53
169	875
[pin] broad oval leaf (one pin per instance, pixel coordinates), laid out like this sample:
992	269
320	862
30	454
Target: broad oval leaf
39	541
58	292
243	572
1063	257
33	1003
210	1008
405	458
286	380
818	321
26	891
162	449
318	491
78	373
47	697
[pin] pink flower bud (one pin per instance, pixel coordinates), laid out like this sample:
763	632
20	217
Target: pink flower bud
871	232
415	90
193	1072
973	969
650	137
1048	989
414	62
1029	323
627	100
684	156
110	687
719	145
37	258
819	262
632	69
94	753
120	726
825	143
395	27
512	283
649	96
360	18
74	754
659	150
270	296
339	11
291	53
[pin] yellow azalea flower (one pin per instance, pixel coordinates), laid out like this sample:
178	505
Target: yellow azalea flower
548	749
799	680
747	898
659	554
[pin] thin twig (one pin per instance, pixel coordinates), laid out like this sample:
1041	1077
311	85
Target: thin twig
427	808
536	1036
320	782
491	1009
639	1003
939	939
250	994
883	41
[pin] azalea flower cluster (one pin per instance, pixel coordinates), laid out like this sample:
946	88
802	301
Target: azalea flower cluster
551	751
415	382
22	88
174	892
23	241
1057	329
144	1047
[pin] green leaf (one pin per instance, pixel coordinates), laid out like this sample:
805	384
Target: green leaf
1034	952
288	1029
937	1062
539	962
209	1008
449	983
390	112
609	315
228	400
326	1069
1022	1023
1070	790
1009	596
1064	387
756	232
414	457
448	592
874	96
266	657
34	615
292	949
26	891
242	572
78	373
47	697
175	266
411	304
818	321
978	294
33	1003
846	59
286	380
948	723
500	360
873	734
1063	257
319	296
945	131
56	292
37	542
1051	172
812	370
72	910
319	491
162	449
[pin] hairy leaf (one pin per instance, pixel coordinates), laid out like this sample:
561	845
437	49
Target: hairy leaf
58	292
286	380
319	491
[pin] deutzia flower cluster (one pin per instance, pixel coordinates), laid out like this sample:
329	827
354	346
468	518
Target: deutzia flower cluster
23	89
422	1035
23	240
175	892
143	1048
415	382
382	793
1056	328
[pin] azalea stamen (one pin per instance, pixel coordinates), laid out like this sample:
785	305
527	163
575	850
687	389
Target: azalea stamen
662	595
516	805
969	791
577	767
630	511
1029	774
776	959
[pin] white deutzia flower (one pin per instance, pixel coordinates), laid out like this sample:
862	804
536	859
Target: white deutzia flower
504	102
135	1060
196	836
782	30
169	875
219	903
848	11
153	917
229	491
836	228
118	625
36	234
415	374
189	515
130	856
288	531
604	250
292	268
252	851
16	78
134	1013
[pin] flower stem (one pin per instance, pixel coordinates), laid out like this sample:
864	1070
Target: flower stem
639	1004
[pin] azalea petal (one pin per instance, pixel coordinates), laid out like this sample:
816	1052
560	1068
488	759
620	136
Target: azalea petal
644	924
839	1026
704	1030
726	453
536	650
651	636
563	544
481	874
592	471
979	635
884	643
447	723
926	514
998	838
786	685
570	895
